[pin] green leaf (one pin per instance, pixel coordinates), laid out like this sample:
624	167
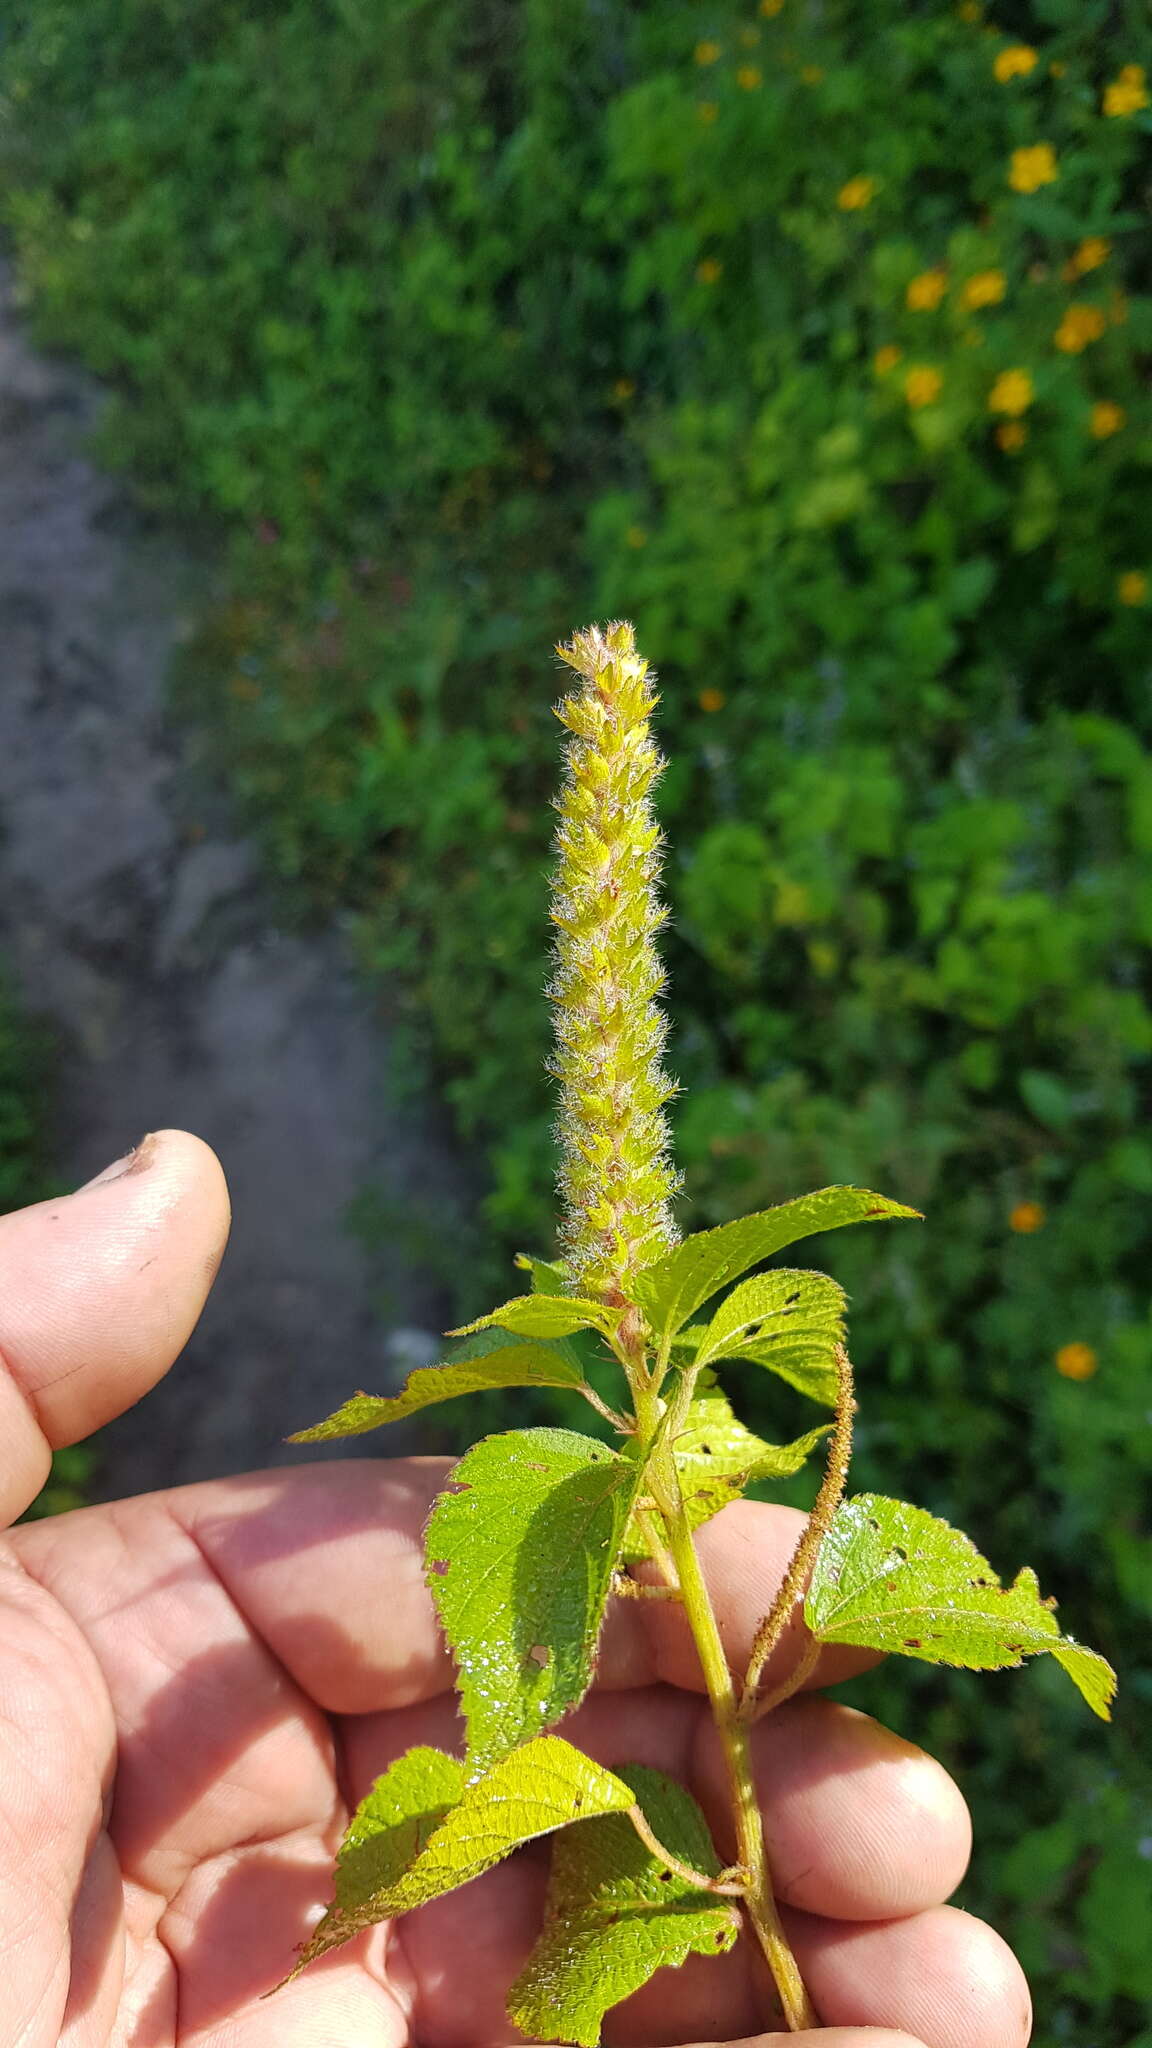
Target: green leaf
615	1915
805	1366
793	1322
421	1832
673	1288
718	1458
891	1577
544	1315
492	1358
521	1552
547	1277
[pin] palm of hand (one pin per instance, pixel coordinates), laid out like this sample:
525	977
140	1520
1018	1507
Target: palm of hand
198	1686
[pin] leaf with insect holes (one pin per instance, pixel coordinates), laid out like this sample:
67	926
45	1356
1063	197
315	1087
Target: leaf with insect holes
615	1914
521	1551
797	1318
422	1831
544	1315
891	1577
804	1365
491	1358
718	1459
673	1288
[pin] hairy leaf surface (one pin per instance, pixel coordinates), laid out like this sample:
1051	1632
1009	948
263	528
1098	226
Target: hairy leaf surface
422	1832
892	1577
673	1288
543	1315
491	1358
797	1318
520	1558
615	1914
547	1277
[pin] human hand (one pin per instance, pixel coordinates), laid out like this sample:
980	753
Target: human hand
199	1684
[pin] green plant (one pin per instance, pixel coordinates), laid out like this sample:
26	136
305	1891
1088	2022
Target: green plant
538	1528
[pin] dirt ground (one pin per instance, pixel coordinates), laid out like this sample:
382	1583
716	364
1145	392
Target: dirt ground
135	918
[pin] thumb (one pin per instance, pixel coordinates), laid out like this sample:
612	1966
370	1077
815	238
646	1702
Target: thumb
99	1292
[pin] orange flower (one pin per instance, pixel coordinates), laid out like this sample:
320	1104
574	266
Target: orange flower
707	53
926	291
710	271
1106	418
711	700
1011	435
749	77
986	288
1080	325
1077	1361
1014	62
1128	92
886	358
1011	393
856	194
1027	1218
1092	252
922	386
1132	587
1033	166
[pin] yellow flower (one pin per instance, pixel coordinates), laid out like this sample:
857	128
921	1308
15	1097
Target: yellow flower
857	193
812	74
926	291
1132	587
1128	92
1032	167
749	77
1012	392
1092	252
771	7
707	111
1015	62
1106	418
711	700
922	386
886	358
1076	1361
985	288
707	53
1011	435
636	537
709	271
1080	325
1026	1218
623	388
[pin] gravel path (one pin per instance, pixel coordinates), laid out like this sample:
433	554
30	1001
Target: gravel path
135	917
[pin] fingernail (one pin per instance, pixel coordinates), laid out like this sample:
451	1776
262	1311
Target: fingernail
136	1161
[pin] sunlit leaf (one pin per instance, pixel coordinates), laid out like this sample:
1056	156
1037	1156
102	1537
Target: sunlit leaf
803	1363
615	1914
491	1358
718	1459
796	1318
521	1551
543	1315
673	1288
891	1577
547	1277
422	1832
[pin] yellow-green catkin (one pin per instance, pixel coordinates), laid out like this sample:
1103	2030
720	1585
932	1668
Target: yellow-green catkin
616	1177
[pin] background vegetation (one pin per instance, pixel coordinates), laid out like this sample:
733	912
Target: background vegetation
817	340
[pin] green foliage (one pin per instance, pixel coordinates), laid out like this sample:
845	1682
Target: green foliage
479	1365
521	1552
718	1459
890	1577
455	314
615	1914
423	1831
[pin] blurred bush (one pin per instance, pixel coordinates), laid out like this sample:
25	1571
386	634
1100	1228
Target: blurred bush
816	340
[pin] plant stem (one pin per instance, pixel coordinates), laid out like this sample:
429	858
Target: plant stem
735	1740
